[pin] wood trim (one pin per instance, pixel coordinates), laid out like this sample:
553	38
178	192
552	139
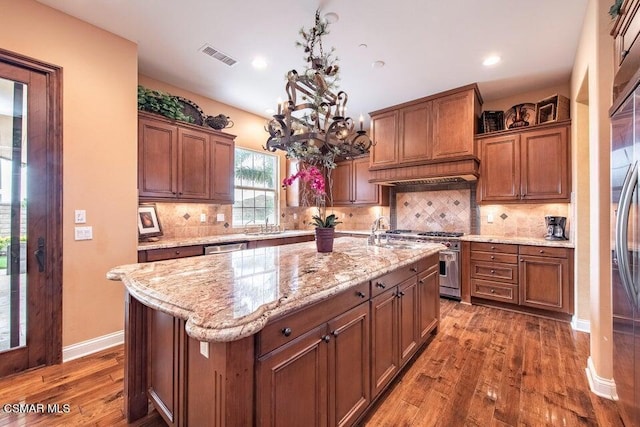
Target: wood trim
54	190
463	167
473	86
136	355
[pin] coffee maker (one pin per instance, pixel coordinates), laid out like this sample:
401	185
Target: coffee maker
555	227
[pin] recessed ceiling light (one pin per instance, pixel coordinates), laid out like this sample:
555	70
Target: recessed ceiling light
378	64
491	60
331	17
363	45
259	63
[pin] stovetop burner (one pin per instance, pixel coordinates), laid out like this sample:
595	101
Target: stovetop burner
440	234
399	231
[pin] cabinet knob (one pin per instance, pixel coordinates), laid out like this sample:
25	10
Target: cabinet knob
286	332
177	252
492	257
493	291
400	294
493	272
360	294
326	338
421	281
624	53
380	285
415	270
541	251
521	260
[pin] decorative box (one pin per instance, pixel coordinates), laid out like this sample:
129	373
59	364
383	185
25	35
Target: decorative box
491	121
552	109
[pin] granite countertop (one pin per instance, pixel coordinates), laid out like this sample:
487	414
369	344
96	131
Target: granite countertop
534	241
229	296
226	238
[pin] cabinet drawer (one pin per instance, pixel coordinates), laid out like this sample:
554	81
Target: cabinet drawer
494	257
284	329
495	271
545	251
389	280
494	291
494	247
172	253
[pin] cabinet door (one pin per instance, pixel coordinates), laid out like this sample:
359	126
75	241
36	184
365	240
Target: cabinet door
415	136
384	129
499	169
157	154
194	164
384	340
408	319
545	164
364	193
349	366
291	387
428	301
342	184
223	170
453	125
544	283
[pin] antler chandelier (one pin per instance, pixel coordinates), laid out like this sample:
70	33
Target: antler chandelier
314	118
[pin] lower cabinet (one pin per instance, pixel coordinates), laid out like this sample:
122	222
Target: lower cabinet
544	279
326	368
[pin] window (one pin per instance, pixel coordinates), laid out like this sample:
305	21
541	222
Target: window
256	189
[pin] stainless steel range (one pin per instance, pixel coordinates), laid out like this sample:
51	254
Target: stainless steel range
449	258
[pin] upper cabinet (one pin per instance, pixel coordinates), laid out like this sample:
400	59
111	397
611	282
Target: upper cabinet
432	129
182	162
625	32
526	165
350	185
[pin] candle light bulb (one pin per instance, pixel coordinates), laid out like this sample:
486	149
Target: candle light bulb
279	105
361	121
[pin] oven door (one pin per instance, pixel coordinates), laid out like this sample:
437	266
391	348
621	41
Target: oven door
450	274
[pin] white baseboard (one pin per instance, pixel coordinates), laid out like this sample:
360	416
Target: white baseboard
93	345
602	387
581	325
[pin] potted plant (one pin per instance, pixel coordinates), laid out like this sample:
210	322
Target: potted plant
325	224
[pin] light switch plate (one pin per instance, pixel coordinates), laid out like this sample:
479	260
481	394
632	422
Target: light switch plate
203	217
490	218
220	217
80	216
83	233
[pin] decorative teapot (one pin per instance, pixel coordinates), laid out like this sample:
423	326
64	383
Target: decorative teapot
219	122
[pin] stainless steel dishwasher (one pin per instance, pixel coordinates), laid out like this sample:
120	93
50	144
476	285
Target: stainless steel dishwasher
224	247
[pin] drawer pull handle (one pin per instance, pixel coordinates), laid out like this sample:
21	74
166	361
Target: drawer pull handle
493	272
326	338
380	285
360	294
493	291
493	247
415	270
177	252
286	332
492	257
400	294
541	251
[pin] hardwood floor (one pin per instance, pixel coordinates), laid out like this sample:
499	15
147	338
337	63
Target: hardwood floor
486	367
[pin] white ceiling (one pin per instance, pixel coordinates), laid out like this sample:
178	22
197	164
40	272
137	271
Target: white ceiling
428	46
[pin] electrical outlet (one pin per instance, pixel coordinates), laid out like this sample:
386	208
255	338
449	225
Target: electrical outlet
203	217
83	233
80	216
295	216
220	217
490	218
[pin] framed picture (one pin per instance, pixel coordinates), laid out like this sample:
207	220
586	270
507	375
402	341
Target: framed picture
148	224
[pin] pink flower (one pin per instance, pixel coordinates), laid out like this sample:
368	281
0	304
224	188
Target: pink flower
311	175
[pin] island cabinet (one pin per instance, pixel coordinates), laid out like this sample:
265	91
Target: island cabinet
427	130
525	166
183	162
350	185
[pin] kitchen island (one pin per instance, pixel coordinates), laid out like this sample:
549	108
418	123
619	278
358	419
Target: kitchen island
276	335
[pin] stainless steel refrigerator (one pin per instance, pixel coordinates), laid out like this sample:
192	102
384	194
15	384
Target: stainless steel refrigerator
625	279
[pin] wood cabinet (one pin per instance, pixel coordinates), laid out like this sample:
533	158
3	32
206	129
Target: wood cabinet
539	277
626	46
350	185
430	129
182	162
522	166
544	278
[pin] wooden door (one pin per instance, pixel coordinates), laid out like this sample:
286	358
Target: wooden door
194	164
453	125
415	136
384	340
545	171
364	193
349	391
544	283
222	169
157	159
499	169
31	157
428	302
384	130
408	337
342	184
292	382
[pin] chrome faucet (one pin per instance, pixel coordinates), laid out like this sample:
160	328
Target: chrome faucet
376	226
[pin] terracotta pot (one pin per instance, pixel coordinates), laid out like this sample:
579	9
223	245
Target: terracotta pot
324	239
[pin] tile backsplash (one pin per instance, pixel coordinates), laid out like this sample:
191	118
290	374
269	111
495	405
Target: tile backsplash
521	220
436	210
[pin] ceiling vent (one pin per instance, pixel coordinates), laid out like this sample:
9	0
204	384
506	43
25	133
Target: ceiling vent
207	49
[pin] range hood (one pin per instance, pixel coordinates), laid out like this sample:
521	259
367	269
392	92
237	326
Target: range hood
442	172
